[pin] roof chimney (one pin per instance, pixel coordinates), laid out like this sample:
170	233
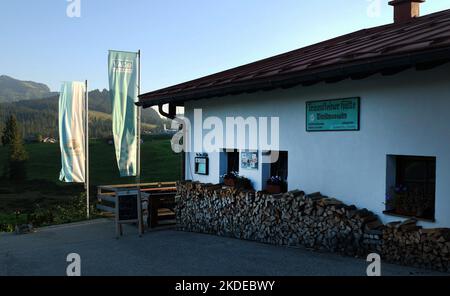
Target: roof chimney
405	10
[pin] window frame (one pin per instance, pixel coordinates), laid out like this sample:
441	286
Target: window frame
428	183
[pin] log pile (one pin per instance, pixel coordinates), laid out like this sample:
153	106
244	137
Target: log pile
292	219
298	219
408	244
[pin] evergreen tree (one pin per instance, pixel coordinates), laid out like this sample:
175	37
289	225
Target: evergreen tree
9	129
12	138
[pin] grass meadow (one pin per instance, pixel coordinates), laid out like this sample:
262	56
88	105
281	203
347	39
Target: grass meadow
43	193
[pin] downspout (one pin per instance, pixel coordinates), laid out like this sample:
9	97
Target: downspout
172	111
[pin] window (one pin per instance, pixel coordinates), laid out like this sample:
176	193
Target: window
280	168
233	161
412	186
277	182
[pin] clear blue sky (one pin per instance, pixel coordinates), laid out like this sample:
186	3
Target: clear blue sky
180	39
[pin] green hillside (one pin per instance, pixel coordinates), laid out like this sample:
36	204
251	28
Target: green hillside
41	116
36	109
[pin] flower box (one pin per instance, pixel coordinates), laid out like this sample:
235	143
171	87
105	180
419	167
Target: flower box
276	185
229	182
274	189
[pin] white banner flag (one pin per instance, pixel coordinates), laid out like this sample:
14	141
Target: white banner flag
72	132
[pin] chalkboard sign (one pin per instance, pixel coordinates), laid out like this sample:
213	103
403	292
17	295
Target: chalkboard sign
127	206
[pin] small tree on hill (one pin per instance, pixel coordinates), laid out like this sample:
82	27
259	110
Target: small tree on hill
17	157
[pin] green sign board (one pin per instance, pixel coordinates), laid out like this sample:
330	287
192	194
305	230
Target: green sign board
333	115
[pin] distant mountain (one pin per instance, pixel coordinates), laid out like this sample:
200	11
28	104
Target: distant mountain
101	102
13	90
36	109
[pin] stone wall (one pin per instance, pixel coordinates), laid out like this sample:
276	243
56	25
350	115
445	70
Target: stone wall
314	221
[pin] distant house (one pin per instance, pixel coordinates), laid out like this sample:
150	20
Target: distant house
49	140
363	117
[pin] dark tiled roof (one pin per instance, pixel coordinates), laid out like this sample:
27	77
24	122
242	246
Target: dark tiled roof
422	42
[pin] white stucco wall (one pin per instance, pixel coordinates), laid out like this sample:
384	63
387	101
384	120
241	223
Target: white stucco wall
405	114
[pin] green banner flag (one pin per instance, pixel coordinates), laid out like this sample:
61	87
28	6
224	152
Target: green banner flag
123	84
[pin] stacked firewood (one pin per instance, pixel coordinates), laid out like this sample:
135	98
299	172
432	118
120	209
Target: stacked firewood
298	219
409	244
292	219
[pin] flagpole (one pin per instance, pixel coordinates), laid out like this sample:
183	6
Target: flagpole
138	156
87	150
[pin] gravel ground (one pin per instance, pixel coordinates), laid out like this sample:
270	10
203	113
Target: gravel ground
167	252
